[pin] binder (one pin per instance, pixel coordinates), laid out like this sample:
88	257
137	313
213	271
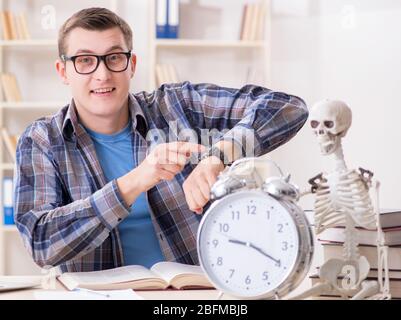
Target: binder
173	18
8	209
161	19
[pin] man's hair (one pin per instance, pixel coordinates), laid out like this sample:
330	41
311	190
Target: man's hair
94	19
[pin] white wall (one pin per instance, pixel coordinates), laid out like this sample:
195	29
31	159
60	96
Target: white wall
348	50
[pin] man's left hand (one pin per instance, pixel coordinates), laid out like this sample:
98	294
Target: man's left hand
199	183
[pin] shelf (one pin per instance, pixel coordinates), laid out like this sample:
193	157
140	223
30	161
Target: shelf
8	228
6	166
29	43
184	43
33	105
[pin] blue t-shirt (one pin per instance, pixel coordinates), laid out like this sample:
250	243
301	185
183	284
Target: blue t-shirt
138	237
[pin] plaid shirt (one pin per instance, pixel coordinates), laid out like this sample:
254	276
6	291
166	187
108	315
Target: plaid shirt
66	212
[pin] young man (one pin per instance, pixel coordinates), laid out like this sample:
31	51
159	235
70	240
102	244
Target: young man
92	192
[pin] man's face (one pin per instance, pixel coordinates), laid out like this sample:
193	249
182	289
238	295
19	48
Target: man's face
102	93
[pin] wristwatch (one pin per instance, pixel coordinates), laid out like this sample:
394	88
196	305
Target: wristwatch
214	151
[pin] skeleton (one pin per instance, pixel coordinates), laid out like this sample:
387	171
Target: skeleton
342	198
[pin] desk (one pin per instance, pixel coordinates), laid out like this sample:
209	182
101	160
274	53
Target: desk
28	294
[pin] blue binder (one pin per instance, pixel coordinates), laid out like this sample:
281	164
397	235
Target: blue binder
161	19
8	210
173	18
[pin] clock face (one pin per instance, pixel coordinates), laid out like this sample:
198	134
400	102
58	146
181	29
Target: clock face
248	244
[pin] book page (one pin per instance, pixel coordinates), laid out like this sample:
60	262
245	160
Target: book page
110	276
181	275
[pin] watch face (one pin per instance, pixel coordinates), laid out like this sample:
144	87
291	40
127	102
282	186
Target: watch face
248	244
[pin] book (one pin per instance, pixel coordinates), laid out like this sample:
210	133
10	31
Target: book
10	87
24	26
243	21
261	21
12	26
10	142
5	25
392	236
335	251
246	24
161	275
389	218
166	73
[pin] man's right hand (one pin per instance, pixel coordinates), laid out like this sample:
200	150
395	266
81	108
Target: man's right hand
162	163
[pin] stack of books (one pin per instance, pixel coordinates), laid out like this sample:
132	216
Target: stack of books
14	26
332	240
253	21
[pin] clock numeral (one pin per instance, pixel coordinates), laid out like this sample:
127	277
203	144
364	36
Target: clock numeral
235	215
232	272
265	276
224	227
219	261
280	228
285	246
215	242
248	280
251	209
268	215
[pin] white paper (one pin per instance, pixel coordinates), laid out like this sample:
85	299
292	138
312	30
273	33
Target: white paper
127	294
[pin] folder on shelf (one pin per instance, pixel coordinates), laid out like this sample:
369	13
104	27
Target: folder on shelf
8	209
173	18
161	19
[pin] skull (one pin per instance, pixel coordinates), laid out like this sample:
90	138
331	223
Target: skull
330	121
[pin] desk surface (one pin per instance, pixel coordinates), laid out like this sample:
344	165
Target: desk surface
28	294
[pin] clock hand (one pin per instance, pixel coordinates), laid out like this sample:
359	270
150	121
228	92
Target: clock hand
278	262
251	245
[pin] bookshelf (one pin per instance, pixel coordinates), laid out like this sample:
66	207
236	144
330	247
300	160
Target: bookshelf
211	49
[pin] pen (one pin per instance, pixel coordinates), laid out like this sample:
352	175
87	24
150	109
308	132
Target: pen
91	292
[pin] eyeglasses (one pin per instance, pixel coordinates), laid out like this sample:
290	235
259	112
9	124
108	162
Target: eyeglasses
88	63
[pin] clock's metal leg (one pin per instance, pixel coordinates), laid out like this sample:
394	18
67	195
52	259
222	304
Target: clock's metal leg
221	293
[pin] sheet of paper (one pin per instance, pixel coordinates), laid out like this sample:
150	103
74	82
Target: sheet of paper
127	294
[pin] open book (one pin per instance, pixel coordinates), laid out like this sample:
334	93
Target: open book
162	275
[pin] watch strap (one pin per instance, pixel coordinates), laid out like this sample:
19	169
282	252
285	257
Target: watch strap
214	151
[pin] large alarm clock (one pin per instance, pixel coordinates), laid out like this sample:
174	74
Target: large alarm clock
254	241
